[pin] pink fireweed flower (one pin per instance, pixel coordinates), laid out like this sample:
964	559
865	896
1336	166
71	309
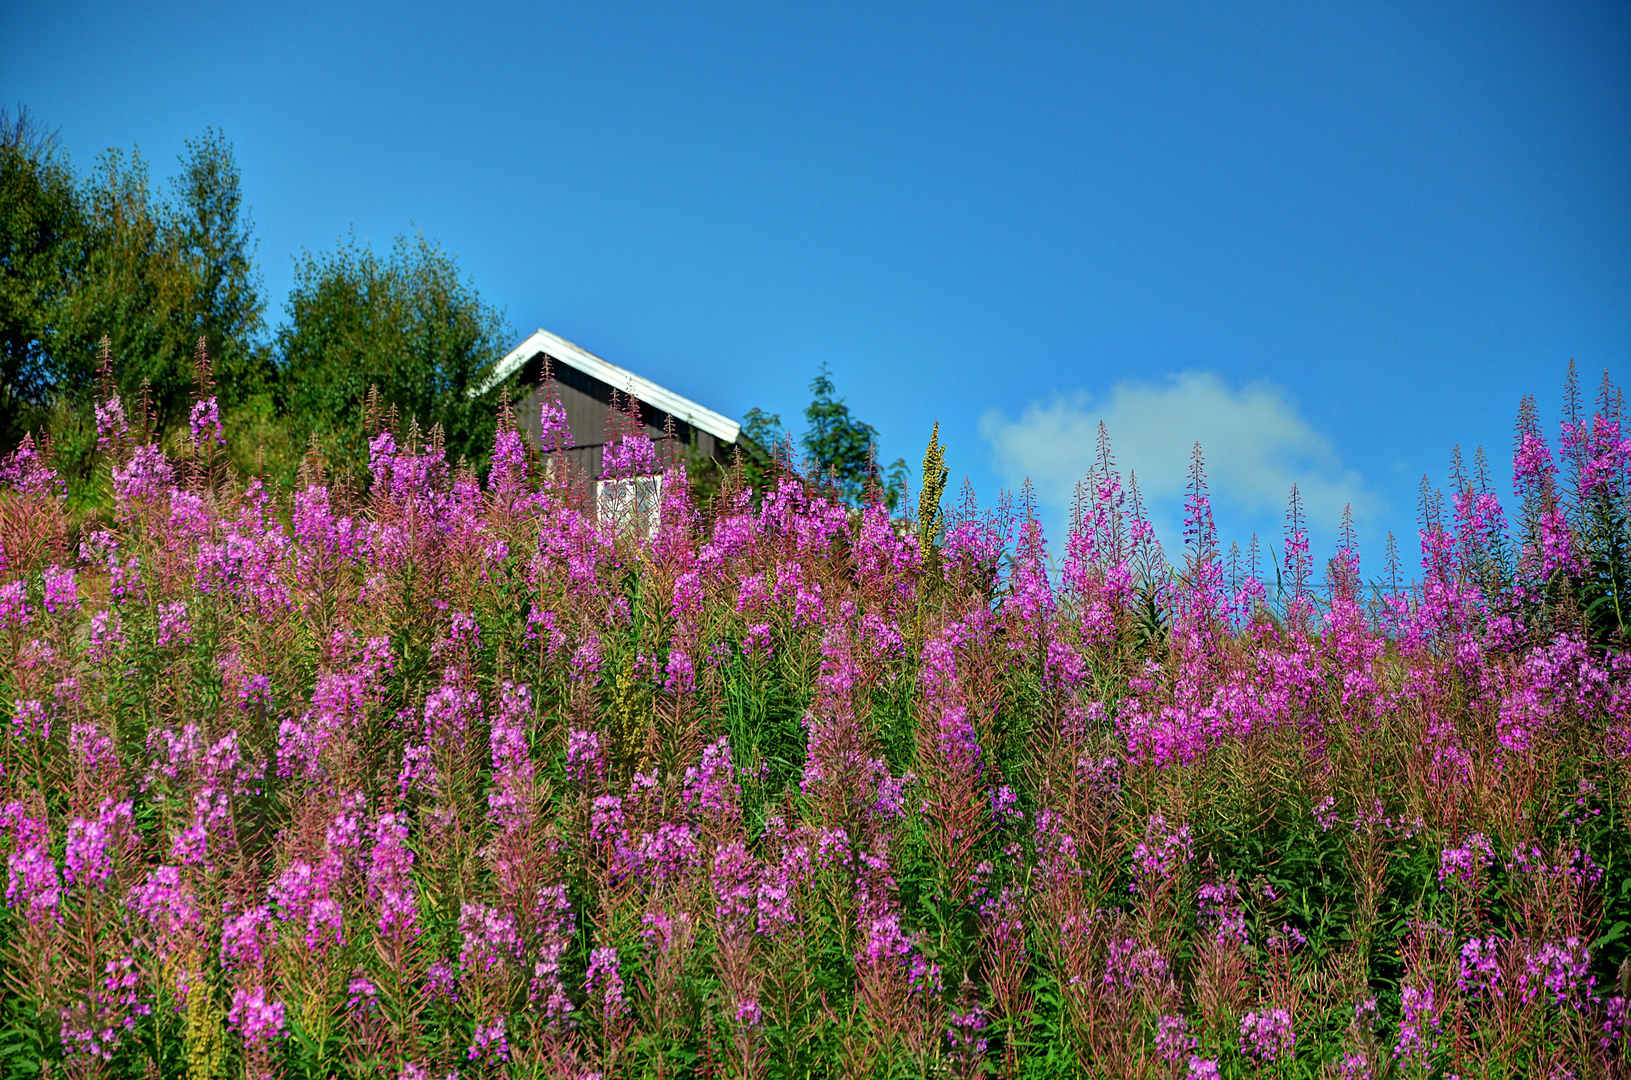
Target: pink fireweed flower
749	1016
450	712
1162	851
668	854
757	642
554	934
442	981
973	546
507	477
1560	971
93	749
14	614
490	938
711	792
1267	1035
418	769
663	932
884	940
33	886
26	472
205	423
629	455
245	938
302	895
681	675
889	802
95	1027
1480	968
61	589
688	595
554	433
256	1019
390	881
1616	1020
583	756
364	995
735	885
586	661
1418	1025
174	625
93	844
1173	1042
168	906
922	975
145	479
111	425
1220	910
775	896
965	1034
1030	596
106	636
509	801
957	741
1285	941
607	823
1325	814
31	719
603	983
1354	1066
1131	963
491	1043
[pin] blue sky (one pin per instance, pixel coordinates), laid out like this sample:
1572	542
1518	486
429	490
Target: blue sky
1330	241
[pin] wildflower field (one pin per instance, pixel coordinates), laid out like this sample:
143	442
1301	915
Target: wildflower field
418	775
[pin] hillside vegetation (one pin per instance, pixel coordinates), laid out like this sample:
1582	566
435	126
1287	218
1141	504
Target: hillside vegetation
427	774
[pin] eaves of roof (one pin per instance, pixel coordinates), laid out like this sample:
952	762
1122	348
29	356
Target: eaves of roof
562	351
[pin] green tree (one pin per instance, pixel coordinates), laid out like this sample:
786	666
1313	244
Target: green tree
80	259
211	235
40	238
844	448
158	274
406	323
764	430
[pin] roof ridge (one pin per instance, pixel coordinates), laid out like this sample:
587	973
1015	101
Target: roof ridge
563	351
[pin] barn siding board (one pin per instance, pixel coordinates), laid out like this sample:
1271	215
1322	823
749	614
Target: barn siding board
587	402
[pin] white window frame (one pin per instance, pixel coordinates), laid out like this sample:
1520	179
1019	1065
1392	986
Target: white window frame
632	503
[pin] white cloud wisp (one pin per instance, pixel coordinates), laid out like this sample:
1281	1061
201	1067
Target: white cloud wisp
1255	442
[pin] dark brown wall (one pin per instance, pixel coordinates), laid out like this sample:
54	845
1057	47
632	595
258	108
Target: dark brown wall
587	401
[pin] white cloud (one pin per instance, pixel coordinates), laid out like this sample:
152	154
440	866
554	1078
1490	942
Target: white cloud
1255	443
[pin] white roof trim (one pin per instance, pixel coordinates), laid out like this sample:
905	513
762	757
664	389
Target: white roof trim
563	351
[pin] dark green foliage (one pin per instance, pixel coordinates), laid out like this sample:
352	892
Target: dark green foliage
157	274
105	255
1605	583
844	448
407	323
764	429
763	720
40	222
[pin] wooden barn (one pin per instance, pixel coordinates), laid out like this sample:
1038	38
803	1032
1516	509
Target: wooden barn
586	383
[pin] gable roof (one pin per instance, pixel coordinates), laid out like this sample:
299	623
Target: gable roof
562	351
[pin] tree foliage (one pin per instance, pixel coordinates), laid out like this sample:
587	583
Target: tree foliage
844	448
106	255
407	323
39	221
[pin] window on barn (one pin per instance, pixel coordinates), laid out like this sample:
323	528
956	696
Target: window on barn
632	503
